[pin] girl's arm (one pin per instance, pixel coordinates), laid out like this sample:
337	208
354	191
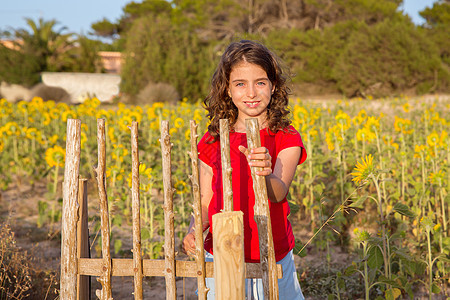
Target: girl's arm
278	181
205	178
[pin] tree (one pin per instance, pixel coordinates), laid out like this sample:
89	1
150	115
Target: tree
438	28
389	57
17	67
159	51
46	44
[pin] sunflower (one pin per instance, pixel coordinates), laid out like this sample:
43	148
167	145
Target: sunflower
198	115
68	114
135	116
112	135
102	114
55	156
22	106
437	178
172	131
33	134
406	107
419	151
343	119
12	128
402	125
2	145
144	175
365	134
143	170
178	123
433	139
363	169
187	134
124	122
181	187
373	124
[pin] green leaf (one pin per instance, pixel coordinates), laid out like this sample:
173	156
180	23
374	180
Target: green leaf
298	247
388	281
375	259
117	245
392	293
411	191
403	209
435	289
318	188
409	290
359	203
117	220
350	270
145	234
294	207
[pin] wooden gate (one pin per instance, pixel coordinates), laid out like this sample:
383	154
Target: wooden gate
76	266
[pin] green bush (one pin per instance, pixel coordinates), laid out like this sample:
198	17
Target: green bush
389	57
159	51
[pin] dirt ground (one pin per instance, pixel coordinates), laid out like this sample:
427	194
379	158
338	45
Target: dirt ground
19	207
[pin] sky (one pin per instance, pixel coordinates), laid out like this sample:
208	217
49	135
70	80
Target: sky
78	15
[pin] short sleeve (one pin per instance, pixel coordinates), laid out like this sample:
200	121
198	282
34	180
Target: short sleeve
292	138
206	150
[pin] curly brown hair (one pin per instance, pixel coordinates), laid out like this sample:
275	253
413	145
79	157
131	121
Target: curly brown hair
219	104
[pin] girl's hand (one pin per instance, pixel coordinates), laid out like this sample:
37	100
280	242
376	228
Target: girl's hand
188	245
258	157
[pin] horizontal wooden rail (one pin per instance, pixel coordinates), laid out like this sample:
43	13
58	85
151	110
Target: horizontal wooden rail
156	267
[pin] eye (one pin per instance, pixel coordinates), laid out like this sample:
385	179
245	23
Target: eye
262	83
240	84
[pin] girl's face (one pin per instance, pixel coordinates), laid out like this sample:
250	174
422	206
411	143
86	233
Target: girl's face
250	90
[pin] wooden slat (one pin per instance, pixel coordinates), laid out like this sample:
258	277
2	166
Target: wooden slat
226	165
136	206
229	261
105	293
202	290
68	281
169	231
156	267
262	218
83	282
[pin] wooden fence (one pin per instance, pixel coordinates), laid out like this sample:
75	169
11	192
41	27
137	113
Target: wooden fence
228	269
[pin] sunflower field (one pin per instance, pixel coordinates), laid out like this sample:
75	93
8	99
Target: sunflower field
376	182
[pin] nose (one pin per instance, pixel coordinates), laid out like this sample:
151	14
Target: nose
251	91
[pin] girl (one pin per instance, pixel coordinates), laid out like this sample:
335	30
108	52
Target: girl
249	83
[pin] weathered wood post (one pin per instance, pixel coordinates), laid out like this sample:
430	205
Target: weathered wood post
262	218
228	233
136	205
83	281
197	208
169	232
68	281
105	279
226	165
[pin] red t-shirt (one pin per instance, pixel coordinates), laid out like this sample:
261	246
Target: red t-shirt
243	194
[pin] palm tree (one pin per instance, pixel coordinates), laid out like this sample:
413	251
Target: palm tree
49	46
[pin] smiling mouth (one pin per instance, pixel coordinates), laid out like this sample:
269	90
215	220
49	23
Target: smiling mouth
252	104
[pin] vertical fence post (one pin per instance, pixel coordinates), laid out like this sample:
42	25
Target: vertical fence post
197	208
105	279
68	281
83	281
169	235
262	218
228	233
226	165
136	206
